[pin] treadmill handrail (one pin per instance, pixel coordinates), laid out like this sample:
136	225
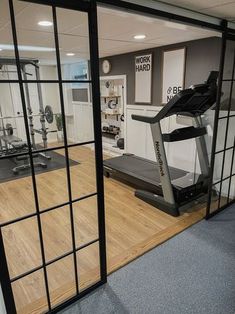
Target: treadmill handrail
146	119
162	113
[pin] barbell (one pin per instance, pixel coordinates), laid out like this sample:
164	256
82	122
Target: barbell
48	114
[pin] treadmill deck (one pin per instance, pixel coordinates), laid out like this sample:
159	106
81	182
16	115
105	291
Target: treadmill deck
131	168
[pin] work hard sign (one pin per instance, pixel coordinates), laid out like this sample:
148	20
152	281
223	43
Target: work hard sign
143	78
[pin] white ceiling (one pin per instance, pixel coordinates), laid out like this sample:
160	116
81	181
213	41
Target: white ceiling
219	8
116	31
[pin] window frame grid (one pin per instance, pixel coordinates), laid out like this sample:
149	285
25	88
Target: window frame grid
91	10
226	36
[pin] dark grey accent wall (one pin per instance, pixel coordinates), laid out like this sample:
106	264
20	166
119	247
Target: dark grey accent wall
202	56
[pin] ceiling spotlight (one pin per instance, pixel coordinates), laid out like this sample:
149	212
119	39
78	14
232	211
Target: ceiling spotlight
140	36
45	23
70	54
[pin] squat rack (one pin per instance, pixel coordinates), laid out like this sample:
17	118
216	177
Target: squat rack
43	131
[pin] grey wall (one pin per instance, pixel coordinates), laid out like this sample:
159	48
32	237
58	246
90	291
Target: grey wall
202	56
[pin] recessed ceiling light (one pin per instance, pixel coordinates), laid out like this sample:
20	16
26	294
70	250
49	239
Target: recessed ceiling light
45	23
140	36
0	49
70	54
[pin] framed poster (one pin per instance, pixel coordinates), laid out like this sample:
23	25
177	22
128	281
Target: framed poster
143	78
173	73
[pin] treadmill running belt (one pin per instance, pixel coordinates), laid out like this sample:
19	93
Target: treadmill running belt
140	168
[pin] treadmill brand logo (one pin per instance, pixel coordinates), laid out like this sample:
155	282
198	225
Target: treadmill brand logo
159	159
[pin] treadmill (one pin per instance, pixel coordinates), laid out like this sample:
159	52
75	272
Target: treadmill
168	188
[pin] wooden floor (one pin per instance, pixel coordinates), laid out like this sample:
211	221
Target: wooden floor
132	228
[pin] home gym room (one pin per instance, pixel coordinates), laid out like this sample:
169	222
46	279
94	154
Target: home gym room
47	119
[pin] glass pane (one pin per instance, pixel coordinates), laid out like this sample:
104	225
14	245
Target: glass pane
22	246
16	192
56	227
79	113
232	189
44	115
233	99
220	140
229	59
6	44
17	197
36	42
224	193
74	43
12	126
51	178
89	266
227	163
225	99
231	132
86	220
61	280
233	171
30	295
218	167
215	197
82	170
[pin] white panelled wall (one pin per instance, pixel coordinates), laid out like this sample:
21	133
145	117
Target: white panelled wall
139	139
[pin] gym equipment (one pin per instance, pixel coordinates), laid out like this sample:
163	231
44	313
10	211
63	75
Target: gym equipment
49	115
9	143
13	144
112	104
120	143
46	114
26	164
164	187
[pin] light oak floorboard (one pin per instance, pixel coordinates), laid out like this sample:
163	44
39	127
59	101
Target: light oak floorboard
132	228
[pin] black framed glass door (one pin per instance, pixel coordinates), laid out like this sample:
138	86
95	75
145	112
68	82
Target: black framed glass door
52	224
222	188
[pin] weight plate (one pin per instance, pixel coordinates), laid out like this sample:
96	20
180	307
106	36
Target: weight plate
49	114
9	129
112	104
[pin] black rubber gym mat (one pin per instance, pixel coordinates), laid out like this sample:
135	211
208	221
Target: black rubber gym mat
57	161
141	168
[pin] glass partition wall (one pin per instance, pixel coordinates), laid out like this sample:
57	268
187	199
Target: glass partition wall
52	229
222	188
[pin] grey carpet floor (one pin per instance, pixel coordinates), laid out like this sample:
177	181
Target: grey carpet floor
192	273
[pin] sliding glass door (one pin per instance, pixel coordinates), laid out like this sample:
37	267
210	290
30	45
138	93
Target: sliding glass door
52	226
222	189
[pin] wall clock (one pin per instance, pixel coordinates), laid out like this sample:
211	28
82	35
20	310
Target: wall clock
106	66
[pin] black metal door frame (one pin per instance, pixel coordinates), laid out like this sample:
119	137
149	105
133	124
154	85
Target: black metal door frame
90	8
216	206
